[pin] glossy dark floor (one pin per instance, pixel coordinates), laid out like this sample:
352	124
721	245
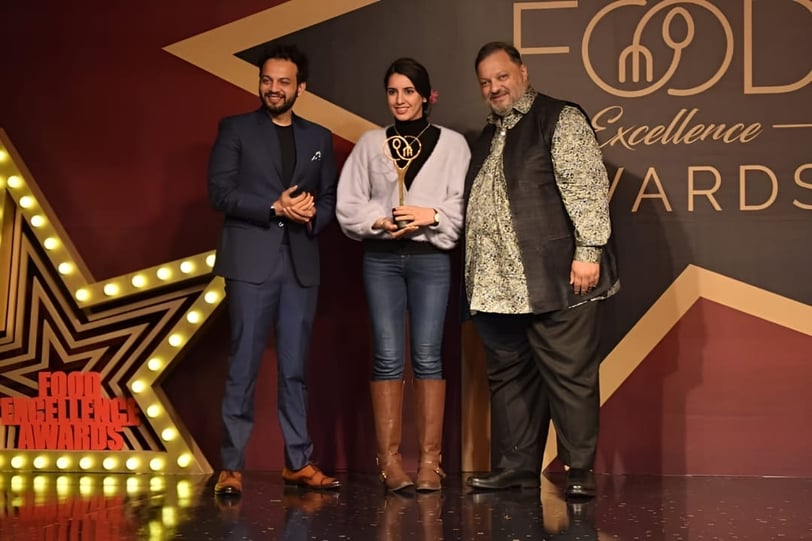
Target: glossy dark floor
73	507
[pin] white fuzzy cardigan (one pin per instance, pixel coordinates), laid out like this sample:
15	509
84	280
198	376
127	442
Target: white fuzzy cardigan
367	188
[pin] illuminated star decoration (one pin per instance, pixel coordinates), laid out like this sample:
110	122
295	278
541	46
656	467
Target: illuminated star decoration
130	329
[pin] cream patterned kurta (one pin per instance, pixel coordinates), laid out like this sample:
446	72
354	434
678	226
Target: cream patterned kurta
494	271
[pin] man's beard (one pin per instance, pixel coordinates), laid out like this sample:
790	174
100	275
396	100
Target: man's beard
283	107
502	110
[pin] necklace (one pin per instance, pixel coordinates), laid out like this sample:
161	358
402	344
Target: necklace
409	151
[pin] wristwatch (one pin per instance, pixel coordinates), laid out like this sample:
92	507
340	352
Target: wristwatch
436	217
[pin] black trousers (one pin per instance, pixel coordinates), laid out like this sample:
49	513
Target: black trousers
541	367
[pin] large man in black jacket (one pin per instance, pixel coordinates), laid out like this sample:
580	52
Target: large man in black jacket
536	261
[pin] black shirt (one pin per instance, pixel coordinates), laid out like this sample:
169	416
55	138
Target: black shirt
287	145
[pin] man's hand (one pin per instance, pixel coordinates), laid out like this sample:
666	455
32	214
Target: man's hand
584	276
300	208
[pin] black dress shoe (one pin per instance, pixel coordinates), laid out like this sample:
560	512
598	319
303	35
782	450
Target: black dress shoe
505	479
580	483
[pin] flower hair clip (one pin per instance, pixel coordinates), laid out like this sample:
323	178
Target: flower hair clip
433	97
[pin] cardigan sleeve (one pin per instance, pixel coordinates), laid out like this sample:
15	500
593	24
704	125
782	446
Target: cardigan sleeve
450	203
356	208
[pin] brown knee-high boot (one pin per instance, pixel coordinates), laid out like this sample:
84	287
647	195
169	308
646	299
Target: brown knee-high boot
387	408
429	410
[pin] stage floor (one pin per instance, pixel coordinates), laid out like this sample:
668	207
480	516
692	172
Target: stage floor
72	507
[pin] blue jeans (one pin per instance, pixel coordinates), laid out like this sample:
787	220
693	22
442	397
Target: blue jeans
396	283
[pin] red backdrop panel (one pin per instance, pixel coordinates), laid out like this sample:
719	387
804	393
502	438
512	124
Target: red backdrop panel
723	393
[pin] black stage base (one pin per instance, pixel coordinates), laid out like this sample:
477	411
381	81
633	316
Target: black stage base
74	507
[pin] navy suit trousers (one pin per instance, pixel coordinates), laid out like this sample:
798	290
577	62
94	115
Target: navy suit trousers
280	301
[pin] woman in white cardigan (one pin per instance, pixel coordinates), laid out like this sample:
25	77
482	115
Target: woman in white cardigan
406	261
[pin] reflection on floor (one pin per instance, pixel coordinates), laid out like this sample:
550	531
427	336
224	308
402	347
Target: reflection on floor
97	508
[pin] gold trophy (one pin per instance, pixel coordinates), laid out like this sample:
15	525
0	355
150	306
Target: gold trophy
402	150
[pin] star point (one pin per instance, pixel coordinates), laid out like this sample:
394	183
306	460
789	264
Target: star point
215	51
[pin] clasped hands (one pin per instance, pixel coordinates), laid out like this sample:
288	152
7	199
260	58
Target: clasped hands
415	218
300	208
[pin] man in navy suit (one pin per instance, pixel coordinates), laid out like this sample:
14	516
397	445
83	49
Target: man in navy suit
272	174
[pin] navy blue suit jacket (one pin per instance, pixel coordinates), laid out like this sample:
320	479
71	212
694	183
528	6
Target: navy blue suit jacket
245	178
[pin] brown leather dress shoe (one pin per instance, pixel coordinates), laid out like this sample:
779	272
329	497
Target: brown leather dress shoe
229	483
310	477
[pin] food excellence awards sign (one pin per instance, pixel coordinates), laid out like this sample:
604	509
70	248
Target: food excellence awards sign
69	413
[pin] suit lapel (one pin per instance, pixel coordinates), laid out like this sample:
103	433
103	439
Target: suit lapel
303	149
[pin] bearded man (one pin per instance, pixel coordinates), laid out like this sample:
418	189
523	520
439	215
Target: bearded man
537	262
272	175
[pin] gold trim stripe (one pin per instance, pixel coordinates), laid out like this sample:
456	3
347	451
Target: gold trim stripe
695	283
214	51
692	284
